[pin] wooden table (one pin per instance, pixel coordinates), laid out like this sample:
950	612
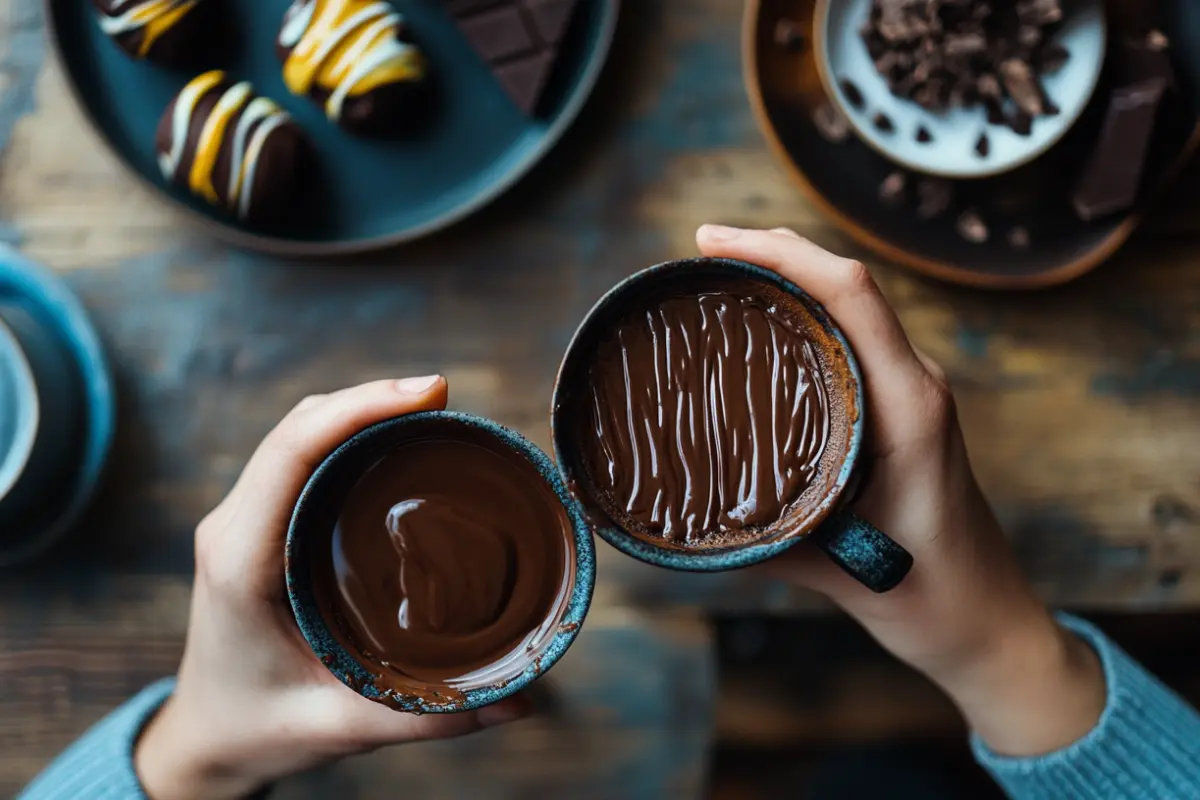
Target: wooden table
1080	404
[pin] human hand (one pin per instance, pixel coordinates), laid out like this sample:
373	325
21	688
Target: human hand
252	702
965	616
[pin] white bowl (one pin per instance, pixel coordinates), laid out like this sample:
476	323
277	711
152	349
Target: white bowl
841	54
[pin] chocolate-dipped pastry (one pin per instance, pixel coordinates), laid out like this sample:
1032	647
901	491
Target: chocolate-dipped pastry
354	59
238	151
713	416
449	567
165	31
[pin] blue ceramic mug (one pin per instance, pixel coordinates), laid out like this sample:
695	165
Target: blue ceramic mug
854	544
319	507
40	419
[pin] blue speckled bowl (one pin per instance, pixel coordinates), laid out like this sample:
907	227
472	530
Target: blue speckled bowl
856	546
317	511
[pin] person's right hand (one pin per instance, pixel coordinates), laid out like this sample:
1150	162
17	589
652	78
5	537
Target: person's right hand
965	615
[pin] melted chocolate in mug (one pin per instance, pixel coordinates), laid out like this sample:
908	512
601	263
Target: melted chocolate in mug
710	415
450	565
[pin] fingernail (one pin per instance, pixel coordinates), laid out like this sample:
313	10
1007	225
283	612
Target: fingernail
501	714
417	385
719	233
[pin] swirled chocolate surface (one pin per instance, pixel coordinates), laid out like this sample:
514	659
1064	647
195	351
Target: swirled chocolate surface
710	415
449	566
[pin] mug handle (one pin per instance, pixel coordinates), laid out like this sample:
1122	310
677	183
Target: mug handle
863	551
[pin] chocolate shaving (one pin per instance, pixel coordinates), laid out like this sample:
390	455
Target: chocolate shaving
892	190
788	36
983	147
831	123
934	197
972	227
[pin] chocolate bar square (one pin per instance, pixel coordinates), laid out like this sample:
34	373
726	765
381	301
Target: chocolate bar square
519	40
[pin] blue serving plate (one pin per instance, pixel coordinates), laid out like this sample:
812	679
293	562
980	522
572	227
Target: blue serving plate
374	193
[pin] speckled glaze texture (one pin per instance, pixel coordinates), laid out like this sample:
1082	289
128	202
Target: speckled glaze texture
841	528
317	507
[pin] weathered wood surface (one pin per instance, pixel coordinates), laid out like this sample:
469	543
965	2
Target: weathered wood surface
1080	404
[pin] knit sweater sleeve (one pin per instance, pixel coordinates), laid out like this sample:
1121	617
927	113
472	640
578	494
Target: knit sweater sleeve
1146	745
99	766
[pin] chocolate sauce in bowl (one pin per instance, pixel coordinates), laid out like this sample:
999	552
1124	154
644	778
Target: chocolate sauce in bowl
710	415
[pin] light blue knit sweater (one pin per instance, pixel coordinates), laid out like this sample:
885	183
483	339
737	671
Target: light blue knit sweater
1145	747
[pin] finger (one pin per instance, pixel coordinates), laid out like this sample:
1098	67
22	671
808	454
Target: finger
287	457
841	285
891	369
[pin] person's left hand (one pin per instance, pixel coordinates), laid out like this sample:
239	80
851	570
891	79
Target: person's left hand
253	703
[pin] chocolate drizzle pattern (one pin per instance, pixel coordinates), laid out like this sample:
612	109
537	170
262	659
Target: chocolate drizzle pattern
710	416
439	588
335	50
213	136
141	22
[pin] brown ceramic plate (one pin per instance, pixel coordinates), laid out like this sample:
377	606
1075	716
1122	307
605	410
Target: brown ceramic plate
843	179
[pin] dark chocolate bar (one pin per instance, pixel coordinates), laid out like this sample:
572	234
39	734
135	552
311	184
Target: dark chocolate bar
519	39
1112	176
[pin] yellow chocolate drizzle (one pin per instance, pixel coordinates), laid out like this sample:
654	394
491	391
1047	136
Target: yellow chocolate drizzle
153	17
345	48
256	118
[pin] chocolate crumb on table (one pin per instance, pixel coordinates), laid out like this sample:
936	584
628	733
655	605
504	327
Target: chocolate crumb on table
788	35
972	227
934	197
831	123
945	54
893	188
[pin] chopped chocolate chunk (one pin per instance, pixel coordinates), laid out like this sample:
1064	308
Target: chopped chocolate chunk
1021	123
883	122
1053	58
923	135
854	95
1022	85
934	197
945	54
983	147
1039	12
831	123
788	35
972	227
1018	238
892	190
